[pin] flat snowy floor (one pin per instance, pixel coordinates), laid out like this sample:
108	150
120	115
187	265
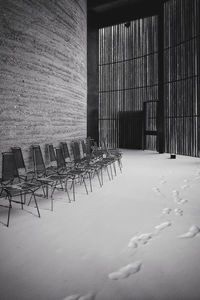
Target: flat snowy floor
137	237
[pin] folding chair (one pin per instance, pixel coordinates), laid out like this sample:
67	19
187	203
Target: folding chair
78	159
90	166
73	173
52	166
20	165
12	189
53	180
114	153
90	162
66	154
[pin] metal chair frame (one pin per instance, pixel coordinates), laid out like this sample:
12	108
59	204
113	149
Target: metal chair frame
54	180
73	173
12	189
90	165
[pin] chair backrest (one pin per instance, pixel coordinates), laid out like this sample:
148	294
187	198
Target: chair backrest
39	166
60	158
104	144
9	169
76	150
88	143
65	151
84	148
19	160
52	155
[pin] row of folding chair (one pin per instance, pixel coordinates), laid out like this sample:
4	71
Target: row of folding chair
65	168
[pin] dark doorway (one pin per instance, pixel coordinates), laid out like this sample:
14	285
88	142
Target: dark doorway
131	130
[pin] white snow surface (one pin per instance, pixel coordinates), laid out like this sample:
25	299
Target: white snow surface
70	252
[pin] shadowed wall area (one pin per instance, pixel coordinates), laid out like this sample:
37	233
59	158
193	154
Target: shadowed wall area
43	79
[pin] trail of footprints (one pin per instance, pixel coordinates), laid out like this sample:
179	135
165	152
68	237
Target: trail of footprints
134	242
144	238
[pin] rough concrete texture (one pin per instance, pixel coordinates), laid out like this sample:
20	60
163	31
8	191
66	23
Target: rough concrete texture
43	79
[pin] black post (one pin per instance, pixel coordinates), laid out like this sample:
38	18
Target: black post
93	82
160	106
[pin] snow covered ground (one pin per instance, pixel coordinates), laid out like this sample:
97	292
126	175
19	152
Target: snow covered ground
137	237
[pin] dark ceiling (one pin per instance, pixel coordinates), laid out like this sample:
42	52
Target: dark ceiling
108	12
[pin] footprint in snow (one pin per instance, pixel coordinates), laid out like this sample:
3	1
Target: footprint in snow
140	239
192	232
175	194
197	178
178	212
177	198
182	201
166	211
157	191
185	186
72	297
145	237
162	226
162	181
89	296
126	271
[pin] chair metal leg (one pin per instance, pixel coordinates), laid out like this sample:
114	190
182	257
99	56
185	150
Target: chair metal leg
29	200
120	164
73	188
99	178
36	204
47	190
43	191
68	195
9	210
114	167
53	187
102	176
51	203
108	173
66	190
111	172
89	174
85	184
21	197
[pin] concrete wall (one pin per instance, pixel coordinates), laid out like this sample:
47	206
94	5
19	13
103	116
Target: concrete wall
43	72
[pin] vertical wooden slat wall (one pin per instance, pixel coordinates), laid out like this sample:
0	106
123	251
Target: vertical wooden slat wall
128	75
182	77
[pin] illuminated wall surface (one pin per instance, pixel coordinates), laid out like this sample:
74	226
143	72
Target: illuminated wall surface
43	72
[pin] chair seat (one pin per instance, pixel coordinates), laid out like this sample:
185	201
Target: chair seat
52	178
20	188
